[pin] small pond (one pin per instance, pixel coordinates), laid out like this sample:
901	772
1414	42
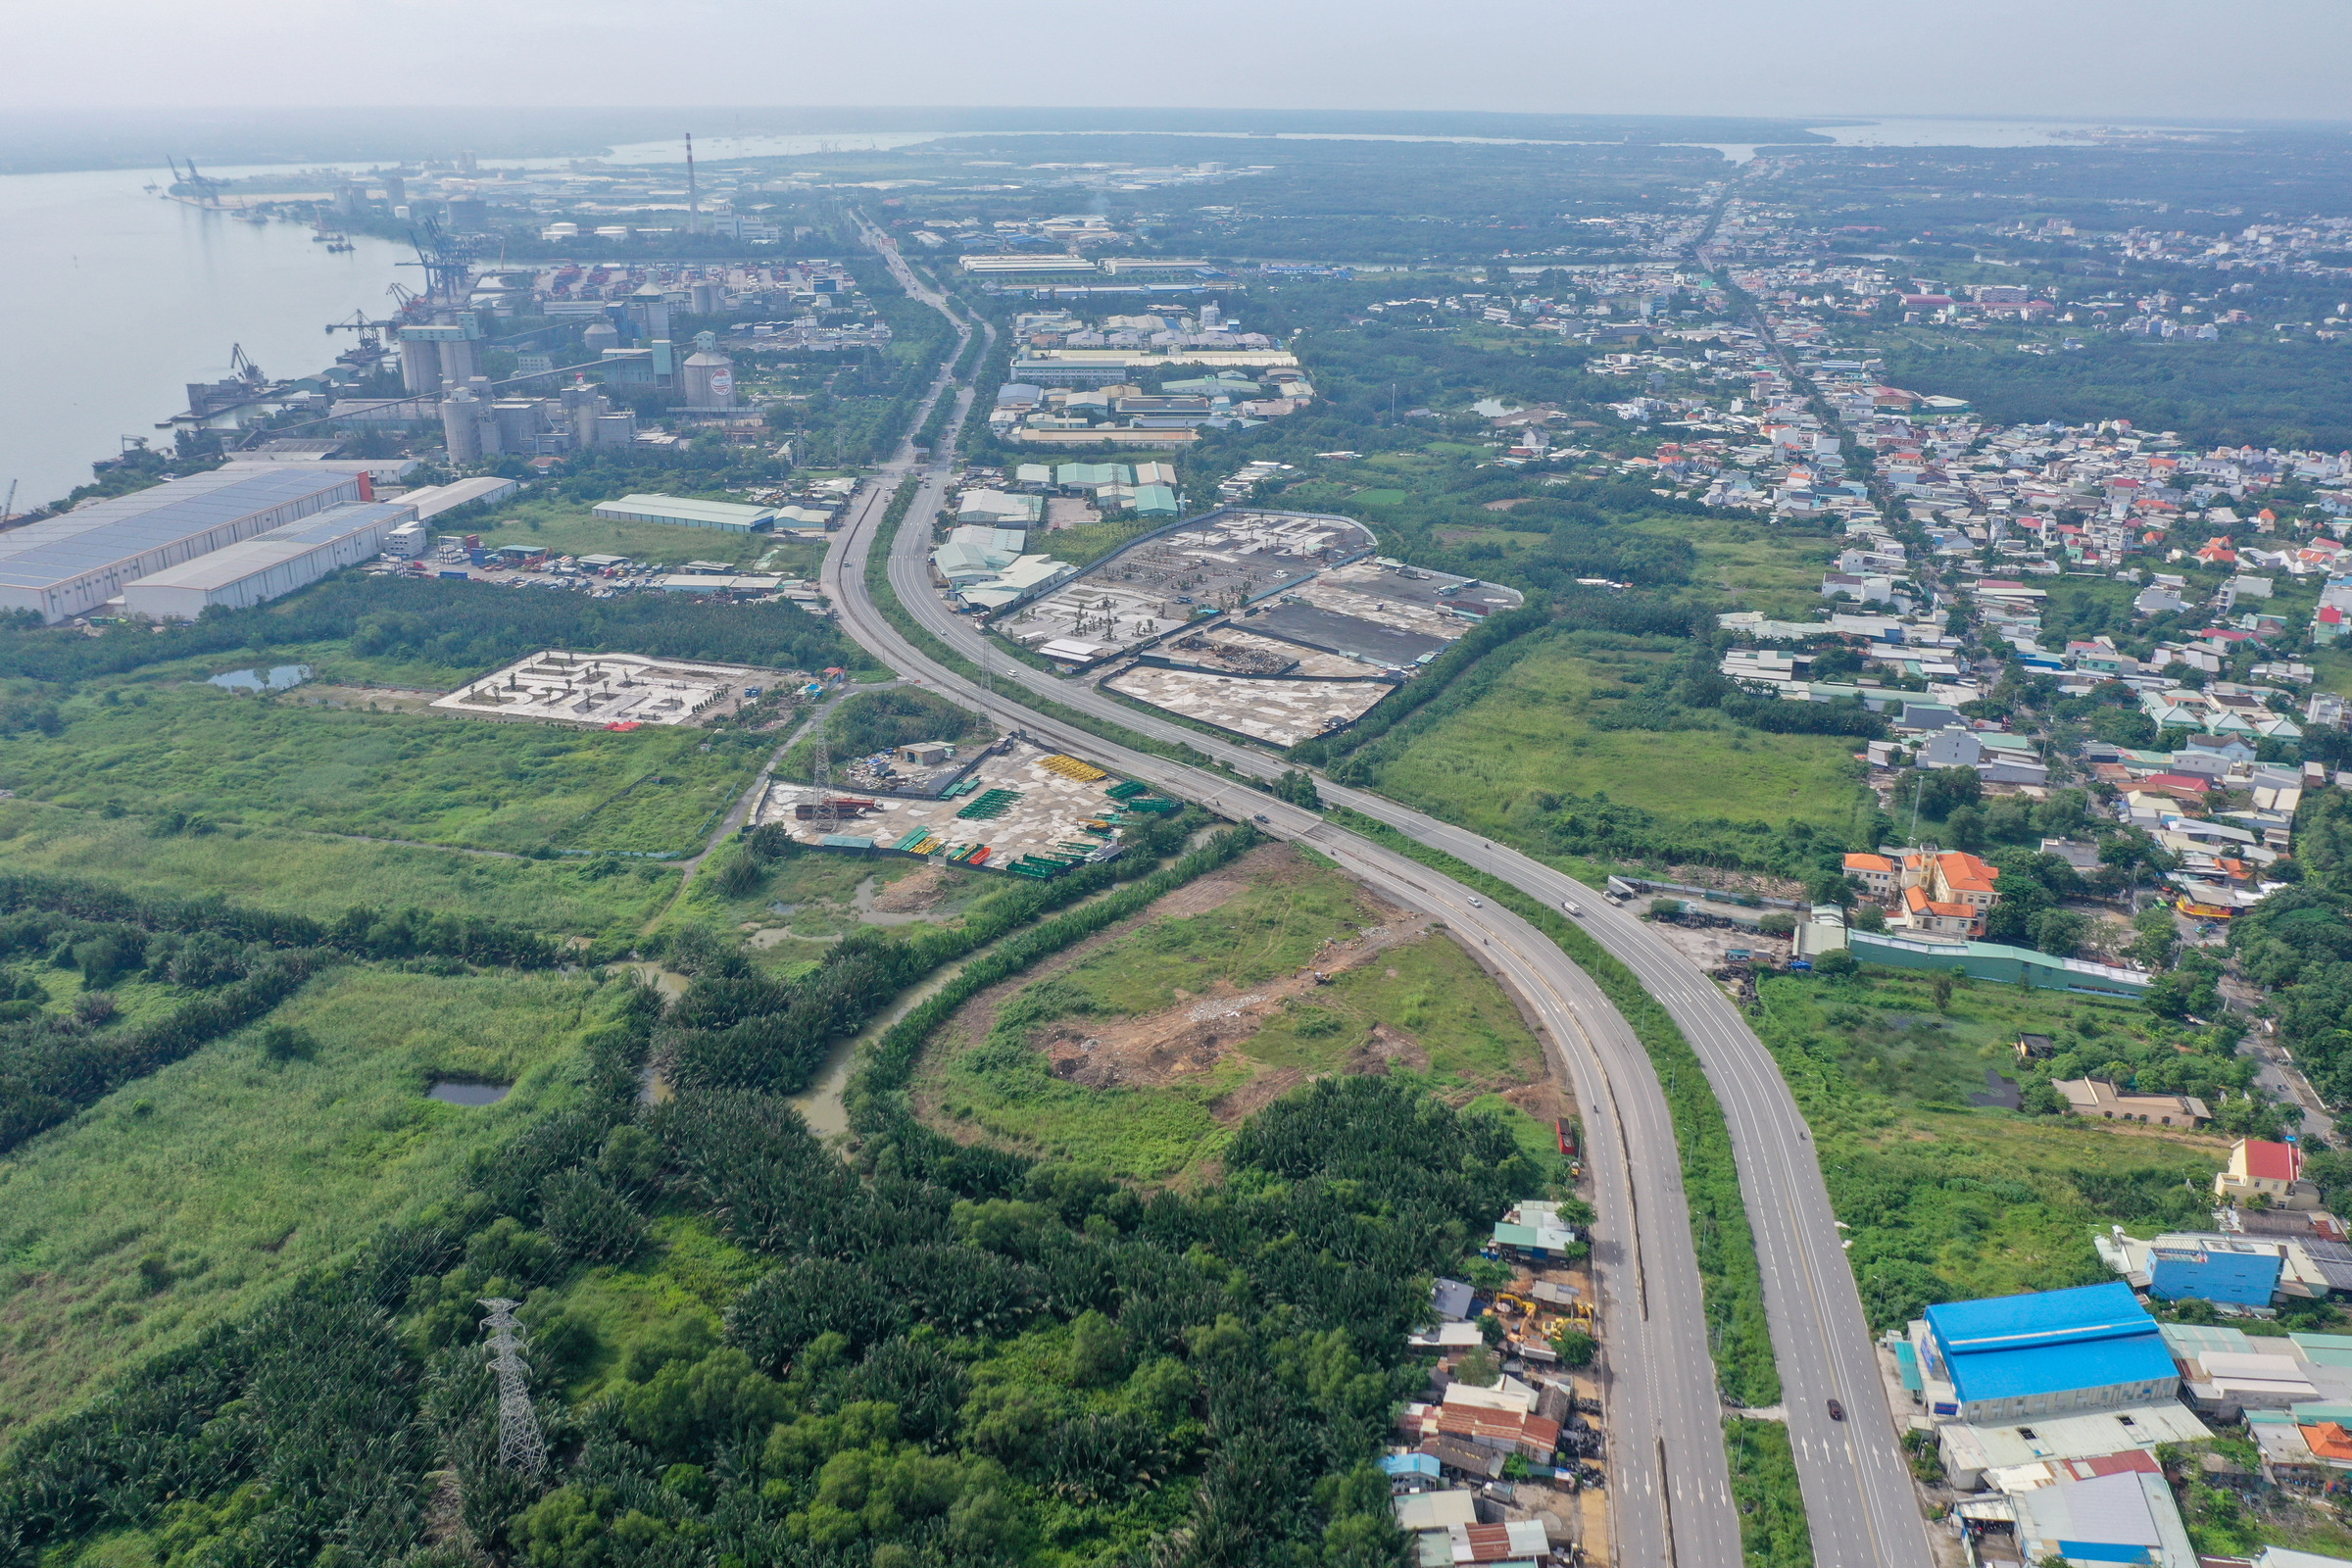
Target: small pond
451	1092
280	677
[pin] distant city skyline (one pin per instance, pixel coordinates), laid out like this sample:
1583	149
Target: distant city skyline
2148	60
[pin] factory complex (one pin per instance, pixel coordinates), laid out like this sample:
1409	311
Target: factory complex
613	691
79	563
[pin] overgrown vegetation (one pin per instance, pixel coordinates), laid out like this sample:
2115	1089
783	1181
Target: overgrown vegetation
746	1350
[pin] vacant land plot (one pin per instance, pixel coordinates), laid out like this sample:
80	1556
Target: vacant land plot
1946	1200
1140	1051
173	1202
1759	565
198	750
563	528
1533	734
285	868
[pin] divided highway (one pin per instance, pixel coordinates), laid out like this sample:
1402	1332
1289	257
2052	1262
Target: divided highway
1672	1504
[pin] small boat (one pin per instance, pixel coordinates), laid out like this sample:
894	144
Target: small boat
341	245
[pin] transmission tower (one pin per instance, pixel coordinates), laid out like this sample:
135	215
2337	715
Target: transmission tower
827	815
521	1448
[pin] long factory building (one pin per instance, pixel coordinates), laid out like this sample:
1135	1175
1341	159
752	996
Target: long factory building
72	565
256	571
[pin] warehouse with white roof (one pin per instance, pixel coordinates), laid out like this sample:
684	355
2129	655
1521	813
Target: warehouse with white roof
259	570
730	516
71	565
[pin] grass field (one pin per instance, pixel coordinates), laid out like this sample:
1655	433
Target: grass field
1947	1200
1530	736
449	780
1194	1017
282	868
236	1173
1757	564
567	528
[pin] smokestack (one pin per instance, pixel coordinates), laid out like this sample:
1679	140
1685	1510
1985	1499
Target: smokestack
694	200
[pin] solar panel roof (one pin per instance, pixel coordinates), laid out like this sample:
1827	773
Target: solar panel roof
54	549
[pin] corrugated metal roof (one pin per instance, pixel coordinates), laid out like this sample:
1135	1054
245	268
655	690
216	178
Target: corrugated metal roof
43	554
231	563
2009	1347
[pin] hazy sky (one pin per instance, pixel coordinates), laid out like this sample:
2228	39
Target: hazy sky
2144	58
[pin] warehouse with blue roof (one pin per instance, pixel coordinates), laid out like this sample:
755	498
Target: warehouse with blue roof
2054	1352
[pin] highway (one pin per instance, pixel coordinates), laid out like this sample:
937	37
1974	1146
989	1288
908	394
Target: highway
1672	1504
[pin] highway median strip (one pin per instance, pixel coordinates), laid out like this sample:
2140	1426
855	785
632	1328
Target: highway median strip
1763	1467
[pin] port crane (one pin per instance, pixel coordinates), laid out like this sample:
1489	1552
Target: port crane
447	262
206	188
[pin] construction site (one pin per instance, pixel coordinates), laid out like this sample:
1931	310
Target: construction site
1021	809
615	691
1228	559
1317	657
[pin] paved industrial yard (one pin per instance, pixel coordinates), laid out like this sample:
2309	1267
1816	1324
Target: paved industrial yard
1282	713
1158	586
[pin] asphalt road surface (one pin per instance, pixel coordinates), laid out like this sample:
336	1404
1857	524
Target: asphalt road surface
1670	1503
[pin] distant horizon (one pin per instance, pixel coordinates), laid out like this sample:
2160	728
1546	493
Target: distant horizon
91	140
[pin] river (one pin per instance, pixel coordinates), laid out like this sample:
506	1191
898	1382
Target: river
124	298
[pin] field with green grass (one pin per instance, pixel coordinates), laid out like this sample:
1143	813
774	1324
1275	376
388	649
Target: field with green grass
1533	735
1754	563
285	868
569	529
179	1200
1947	1200
199	751
1142	1055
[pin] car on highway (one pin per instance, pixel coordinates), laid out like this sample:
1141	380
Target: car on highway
1573	907
1261	818
1476	903
1837	1411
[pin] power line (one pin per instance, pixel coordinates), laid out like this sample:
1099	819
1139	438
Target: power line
521	1446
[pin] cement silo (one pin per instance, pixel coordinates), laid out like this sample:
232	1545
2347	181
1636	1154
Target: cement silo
462	426
519	422
709	380
708	298
582	403
457	360
616	429
419	363
600	337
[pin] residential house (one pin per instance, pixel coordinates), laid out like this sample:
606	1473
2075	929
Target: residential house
1880	877
1947	892
2100	1097
2268	1172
